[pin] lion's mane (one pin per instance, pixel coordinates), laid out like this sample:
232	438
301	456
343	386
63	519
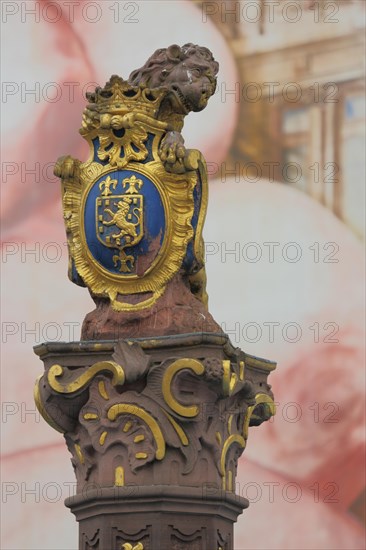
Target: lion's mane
163	60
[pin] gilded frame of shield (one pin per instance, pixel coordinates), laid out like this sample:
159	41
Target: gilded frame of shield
176	192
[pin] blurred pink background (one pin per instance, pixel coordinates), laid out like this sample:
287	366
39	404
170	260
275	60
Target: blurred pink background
284	141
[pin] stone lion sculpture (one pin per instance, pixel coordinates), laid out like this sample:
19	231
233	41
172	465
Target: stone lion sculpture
189	74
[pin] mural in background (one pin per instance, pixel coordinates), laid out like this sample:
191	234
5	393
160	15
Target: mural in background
301	96
284	139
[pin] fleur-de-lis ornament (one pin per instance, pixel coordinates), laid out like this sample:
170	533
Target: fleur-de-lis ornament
132	182
107	184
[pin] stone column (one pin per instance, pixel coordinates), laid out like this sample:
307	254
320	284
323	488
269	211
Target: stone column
155	403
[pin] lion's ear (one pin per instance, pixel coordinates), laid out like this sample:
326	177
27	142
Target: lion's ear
173	52
133	77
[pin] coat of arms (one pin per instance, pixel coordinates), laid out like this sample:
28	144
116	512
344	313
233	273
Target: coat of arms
119	219
135	210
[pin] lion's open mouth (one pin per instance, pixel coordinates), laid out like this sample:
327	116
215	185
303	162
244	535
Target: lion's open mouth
183	100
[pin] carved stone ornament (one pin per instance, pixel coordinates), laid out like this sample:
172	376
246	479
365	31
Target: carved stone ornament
155	414
143	408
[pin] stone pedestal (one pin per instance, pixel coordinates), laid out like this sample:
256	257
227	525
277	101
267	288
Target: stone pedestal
155	428
156	517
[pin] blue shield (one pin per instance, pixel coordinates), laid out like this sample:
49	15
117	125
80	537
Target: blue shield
124	222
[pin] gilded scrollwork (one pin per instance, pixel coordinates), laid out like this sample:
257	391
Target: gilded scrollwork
42	409
269	409
62	380
150	411
196	367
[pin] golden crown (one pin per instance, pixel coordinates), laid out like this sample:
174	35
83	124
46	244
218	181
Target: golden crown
119	97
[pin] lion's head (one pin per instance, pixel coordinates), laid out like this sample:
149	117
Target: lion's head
188	72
